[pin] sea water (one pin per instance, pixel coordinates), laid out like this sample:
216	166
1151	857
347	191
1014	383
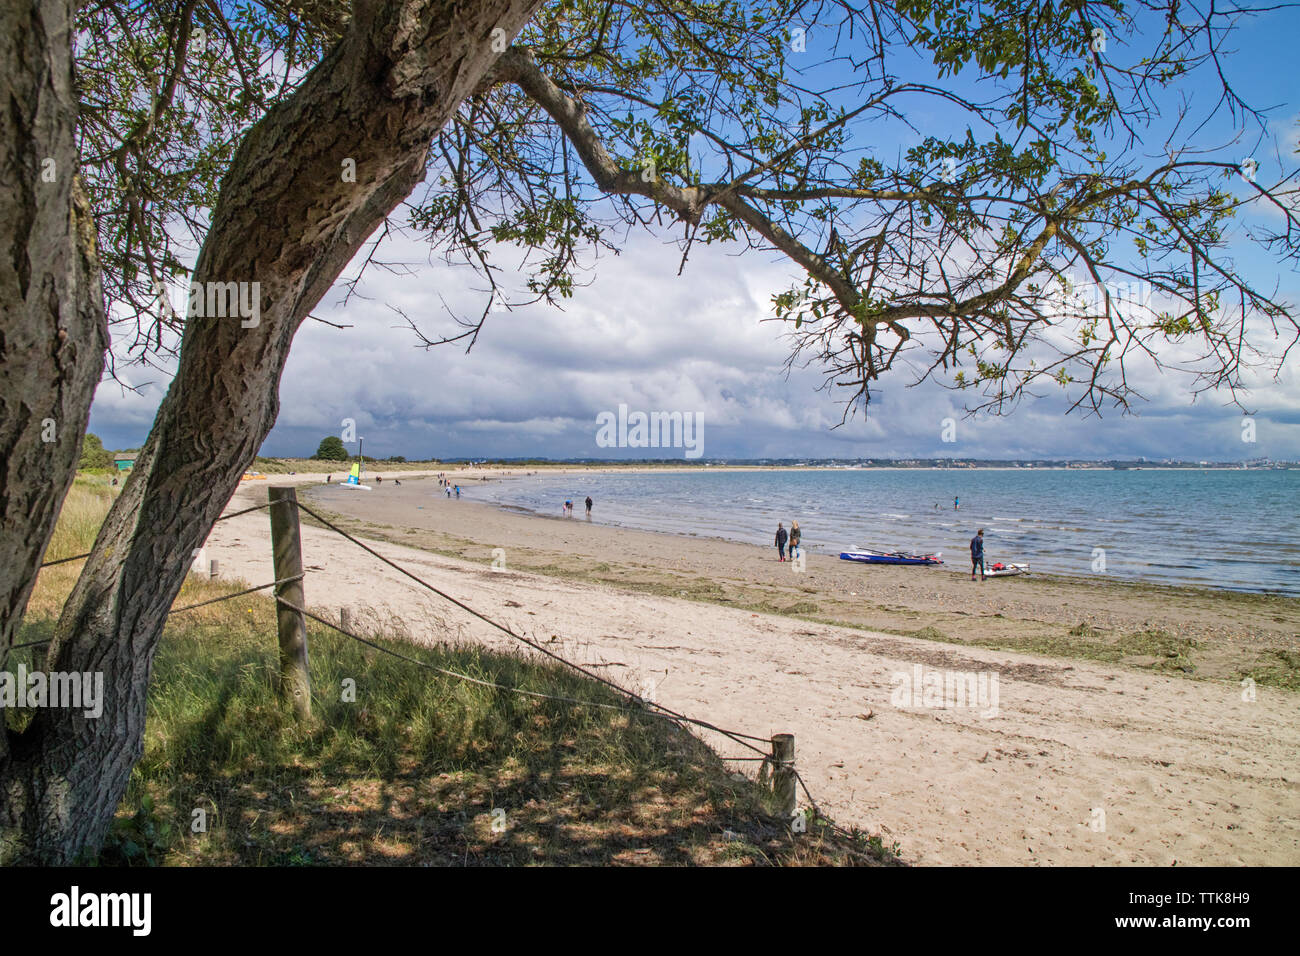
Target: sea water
1237	529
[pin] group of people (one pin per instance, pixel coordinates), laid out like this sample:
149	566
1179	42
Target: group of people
446	485
793	536
568	508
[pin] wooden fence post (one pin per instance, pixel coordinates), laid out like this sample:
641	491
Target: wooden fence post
286	553
783	778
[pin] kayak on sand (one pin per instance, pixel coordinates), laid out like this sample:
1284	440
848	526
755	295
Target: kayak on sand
871	556
1001	570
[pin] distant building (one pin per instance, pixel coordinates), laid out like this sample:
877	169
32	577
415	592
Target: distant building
124	461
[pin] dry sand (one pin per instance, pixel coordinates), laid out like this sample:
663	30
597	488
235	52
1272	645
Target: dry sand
1084	762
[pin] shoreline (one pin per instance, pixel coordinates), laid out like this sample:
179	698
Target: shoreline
947	567
1205	632
1116	579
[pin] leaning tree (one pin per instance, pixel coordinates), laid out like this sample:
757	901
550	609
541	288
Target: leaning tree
963	185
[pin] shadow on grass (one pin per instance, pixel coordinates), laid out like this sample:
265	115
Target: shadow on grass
402	765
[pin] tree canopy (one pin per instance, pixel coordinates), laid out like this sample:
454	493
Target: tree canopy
93	454
997	195
331	449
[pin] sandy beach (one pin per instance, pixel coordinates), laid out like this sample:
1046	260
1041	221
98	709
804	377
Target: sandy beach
1122	734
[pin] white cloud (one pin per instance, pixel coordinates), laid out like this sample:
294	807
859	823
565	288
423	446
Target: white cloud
641	335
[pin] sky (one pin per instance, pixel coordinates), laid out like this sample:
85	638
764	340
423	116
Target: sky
642	336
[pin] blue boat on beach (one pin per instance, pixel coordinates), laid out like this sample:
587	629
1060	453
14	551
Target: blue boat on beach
869	556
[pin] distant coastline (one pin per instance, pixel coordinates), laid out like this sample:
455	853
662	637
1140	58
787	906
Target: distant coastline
285	465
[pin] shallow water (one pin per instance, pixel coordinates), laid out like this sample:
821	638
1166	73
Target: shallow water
1231	529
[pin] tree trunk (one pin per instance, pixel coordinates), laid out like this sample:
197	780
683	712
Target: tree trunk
288	220
52	326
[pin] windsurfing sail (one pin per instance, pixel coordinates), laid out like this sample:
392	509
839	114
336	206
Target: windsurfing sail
354	477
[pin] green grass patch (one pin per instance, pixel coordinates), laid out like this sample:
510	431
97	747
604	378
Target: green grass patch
425	768
418	767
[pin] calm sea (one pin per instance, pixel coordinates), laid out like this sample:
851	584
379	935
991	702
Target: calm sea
1231	529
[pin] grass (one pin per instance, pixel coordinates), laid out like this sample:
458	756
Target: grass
402	765
82	513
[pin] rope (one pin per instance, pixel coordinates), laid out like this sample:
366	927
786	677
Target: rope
188	607
15	647
767	758
233	514
663	712
75	557
236	514
660	711
227	597
737	736
442	670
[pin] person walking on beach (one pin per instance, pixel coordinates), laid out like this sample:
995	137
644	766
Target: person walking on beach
458	491
956	503
977	554
780	540
795	535
588	506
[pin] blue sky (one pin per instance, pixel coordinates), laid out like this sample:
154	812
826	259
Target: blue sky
643	336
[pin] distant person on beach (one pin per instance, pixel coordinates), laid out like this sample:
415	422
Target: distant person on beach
568	507
447	488
328	479
956	503
458	491
780	540
977	554
397	481
588	506
795	535
379	479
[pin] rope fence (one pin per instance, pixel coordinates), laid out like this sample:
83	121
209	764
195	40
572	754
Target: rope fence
773	764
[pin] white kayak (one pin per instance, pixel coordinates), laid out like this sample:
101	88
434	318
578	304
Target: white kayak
348	484
1001	570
